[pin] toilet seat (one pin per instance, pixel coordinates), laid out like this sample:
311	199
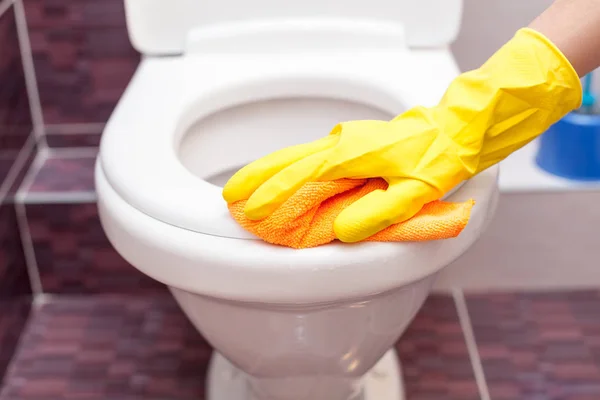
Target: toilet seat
175	227
140	142
254	271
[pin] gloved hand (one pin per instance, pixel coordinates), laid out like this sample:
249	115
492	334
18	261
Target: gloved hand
485	115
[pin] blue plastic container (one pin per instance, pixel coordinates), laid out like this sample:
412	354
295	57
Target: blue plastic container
571	147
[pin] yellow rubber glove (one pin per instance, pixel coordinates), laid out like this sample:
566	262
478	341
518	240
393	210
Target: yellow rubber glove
485	115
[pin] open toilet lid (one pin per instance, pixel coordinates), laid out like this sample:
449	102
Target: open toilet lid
162	27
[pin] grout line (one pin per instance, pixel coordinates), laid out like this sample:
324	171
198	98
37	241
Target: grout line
35	168
467	328
4	6
81	197
35	279
75	129
42	298
20	343
35	105
26	196
30	258
73	152
16	167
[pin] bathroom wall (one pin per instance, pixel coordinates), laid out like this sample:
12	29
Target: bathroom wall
487	24
83	61
17	150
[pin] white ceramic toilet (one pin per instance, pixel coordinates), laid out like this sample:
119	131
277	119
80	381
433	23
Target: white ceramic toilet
224	83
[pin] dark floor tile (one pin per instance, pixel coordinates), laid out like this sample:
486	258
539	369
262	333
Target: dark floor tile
14	279
74	255
58	140
64	175
15	116
15	290
13	318
82	55
109	348
121	347
539	346
434	355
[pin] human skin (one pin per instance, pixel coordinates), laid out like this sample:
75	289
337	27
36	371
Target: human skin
574	27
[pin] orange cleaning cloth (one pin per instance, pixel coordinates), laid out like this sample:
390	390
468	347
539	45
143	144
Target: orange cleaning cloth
306	218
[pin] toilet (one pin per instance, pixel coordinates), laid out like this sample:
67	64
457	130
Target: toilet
223	83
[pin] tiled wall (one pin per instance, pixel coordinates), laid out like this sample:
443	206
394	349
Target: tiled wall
83	61
17	148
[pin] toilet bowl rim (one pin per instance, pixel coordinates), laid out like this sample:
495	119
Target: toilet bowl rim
251	271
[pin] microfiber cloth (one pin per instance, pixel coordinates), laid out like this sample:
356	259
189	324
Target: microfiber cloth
306	218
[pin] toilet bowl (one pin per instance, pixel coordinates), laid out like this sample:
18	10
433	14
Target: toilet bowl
223	84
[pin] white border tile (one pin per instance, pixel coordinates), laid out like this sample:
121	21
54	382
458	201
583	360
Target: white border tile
30	76
472	349
73	152
74	129
16	167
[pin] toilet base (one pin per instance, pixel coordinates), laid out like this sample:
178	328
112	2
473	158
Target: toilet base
383	382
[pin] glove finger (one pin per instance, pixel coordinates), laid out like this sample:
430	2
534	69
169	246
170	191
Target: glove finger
274	192
245	181
382	208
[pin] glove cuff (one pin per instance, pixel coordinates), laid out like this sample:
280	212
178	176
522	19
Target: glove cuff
563	67
516	95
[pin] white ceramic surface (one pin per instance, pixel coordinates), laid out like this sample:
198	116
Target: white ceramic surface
302	325
383	382
302	352
168	96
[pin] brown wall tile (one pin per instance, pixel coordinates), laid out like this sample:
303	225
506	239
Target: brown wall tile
82	57
74	255
15	129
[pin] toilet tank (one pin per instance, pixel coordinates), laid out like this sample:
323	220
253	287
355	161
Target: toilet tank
162	27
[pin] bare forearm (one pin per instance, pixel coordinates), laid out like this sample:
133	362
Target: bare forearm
574	27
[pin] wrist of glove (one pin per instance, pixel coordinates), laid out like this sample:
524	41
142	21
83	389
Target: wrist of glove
485	115
524	88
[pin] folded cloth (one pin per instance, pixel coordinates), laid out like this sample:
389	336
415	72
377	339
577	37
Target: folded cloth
306	218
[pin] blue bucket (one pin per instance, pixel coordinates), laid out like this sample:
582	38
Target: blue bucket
571	147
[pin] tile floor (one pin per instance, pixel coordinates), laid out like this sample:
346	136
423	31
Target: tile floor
103	332
120	347
532	346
